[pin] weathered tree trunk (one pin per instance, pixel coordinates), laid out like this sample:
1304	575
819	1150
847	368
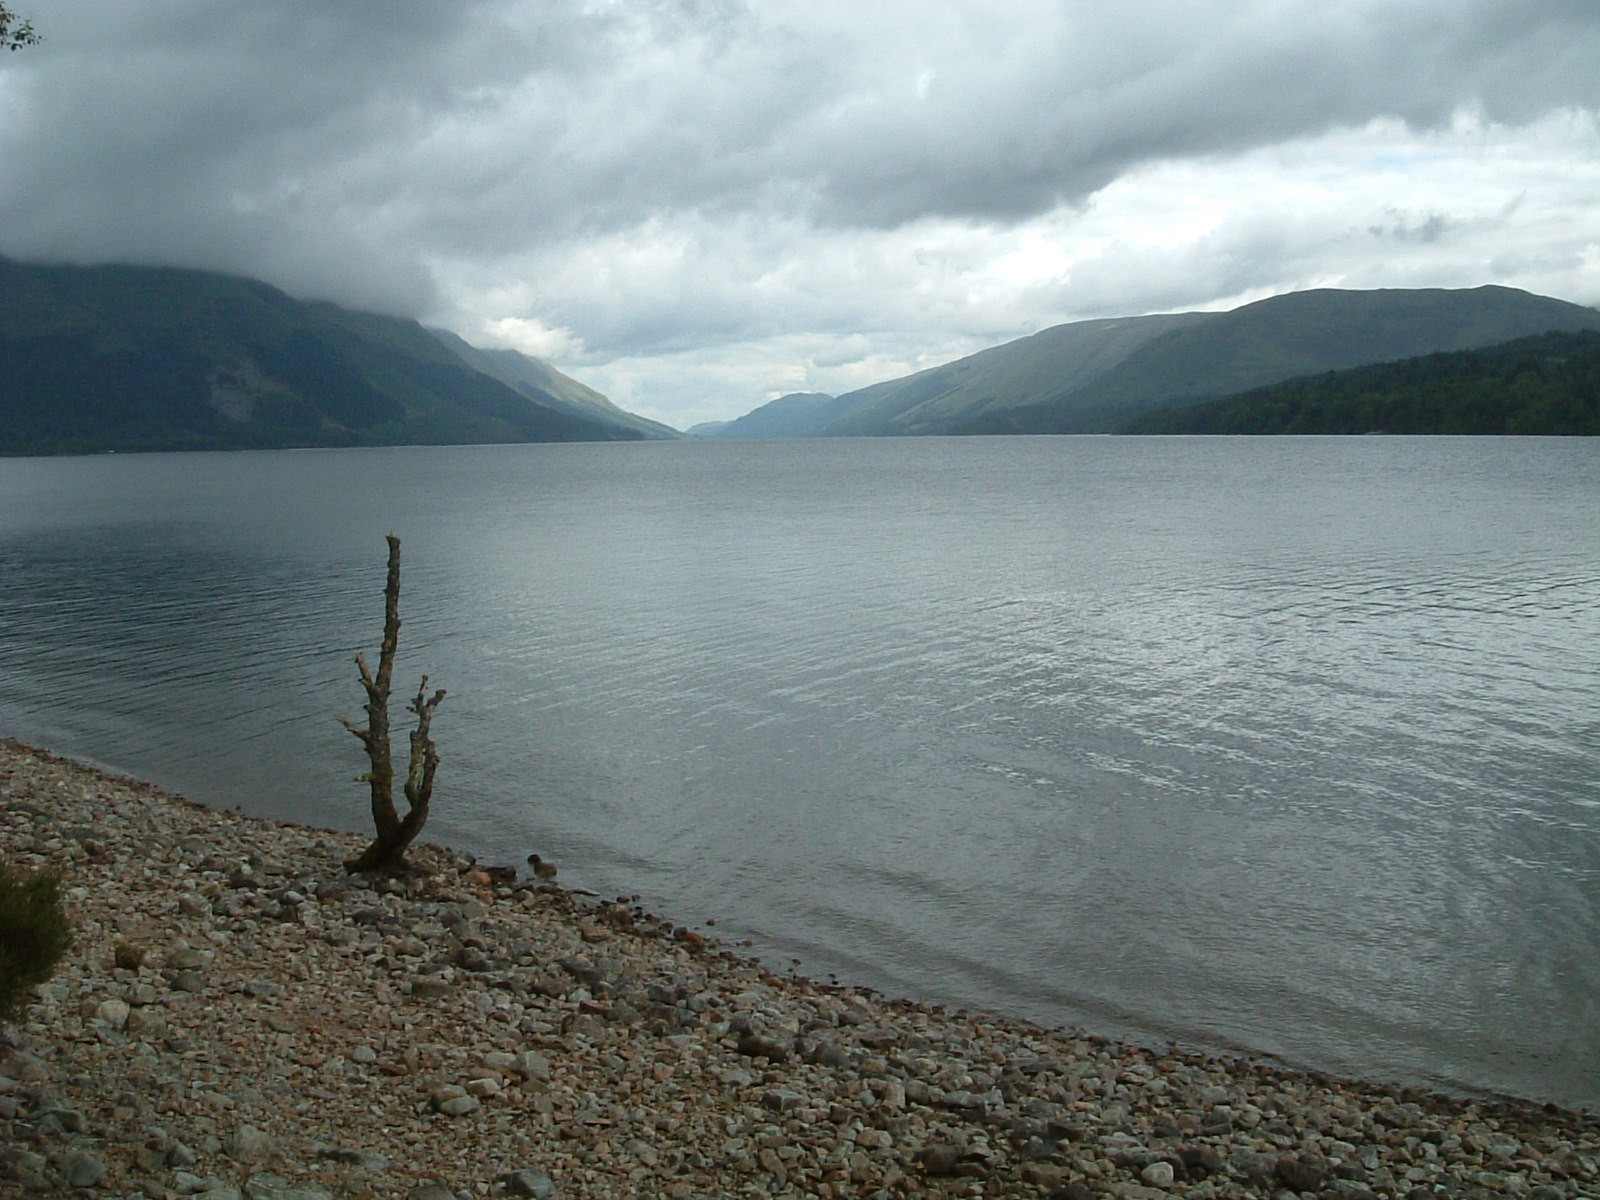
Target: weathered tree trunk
386	854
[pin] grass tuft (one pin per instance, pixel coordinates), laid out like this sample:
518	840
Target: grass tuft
34	934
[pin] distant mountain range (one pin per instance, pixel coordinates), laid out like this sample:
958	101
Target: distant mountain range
141	358
1097	376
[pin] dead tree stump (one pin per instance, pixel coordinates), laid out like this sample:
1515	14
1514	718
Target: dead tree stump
386	854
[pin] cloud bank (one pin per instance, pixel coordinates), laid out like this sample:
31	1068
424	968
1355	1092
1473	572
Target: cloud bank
696	205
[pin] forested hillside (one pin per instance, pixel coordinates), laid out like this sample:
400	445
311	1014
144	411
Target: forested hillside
1547	384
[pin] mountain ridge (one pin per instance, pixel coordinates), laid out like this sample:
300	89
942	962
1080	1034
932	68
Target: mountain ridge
116	357
1092	376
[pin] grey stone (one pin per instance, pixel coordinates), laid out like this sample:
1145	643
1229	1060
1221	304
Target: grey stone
940	1158
529	1182
197	1185
1302	1172
780	1100
754	1045
113	1012
248	1144
188	981
82	1170
533	1065
70	1120
361	1159
1158	1174
265	1186
26	1161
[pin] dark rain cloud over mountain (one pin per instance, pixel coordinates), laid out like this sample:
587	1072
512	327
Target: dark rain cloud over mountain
707	196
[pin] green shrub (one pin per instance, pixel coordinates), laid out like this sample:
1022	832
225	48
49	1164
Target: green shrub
34	934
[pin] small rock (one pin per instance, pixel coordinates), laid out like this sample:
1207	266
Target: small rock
1302	1172
1158	1174
113	1012
70	1120
753	1045
530	1064
248	1144
1204	1158
188	981
940	1158
146	1021
361	1159
263	1186
431	1191
459	1106
197	1185
526	1182
82	1170
827	1054
779	1100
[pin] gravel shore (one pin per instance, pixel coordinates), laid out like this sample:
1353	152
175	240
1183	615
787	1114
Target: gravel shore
240	1020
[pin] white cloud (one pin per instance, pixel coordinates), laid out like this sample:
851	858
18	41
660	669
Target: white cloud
530	336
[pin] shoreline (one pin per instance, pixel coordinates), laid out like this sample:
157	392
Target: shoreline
239	1019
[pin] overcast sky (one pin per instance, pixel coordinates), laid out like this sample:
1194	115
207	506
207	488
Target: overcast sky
698	205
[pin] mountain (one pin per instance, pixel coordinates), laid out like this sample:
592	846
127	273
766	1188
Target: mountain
794	415
143	358
1548	384
1092	376
541	382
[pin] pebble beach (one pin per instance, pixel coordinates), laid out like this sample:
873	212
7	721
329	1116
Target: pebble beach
240	1019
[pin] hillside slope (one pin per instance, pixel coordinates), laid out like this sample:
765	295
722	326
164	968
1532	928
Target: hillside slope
541	382
141	358
798	414
1547	385
1091	376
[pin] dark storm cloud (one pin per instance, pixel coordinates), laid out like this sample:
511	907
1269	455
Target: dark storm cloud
1077	103
699	156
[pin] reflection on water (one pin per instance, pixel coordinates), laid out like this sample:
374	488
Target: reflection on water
1292	745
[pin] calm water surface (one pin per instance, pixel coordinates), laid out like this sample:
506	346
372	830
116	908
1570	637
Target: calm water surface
1289	745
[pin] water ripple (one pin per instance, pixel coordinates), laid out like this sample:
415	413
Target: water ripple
1285	745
